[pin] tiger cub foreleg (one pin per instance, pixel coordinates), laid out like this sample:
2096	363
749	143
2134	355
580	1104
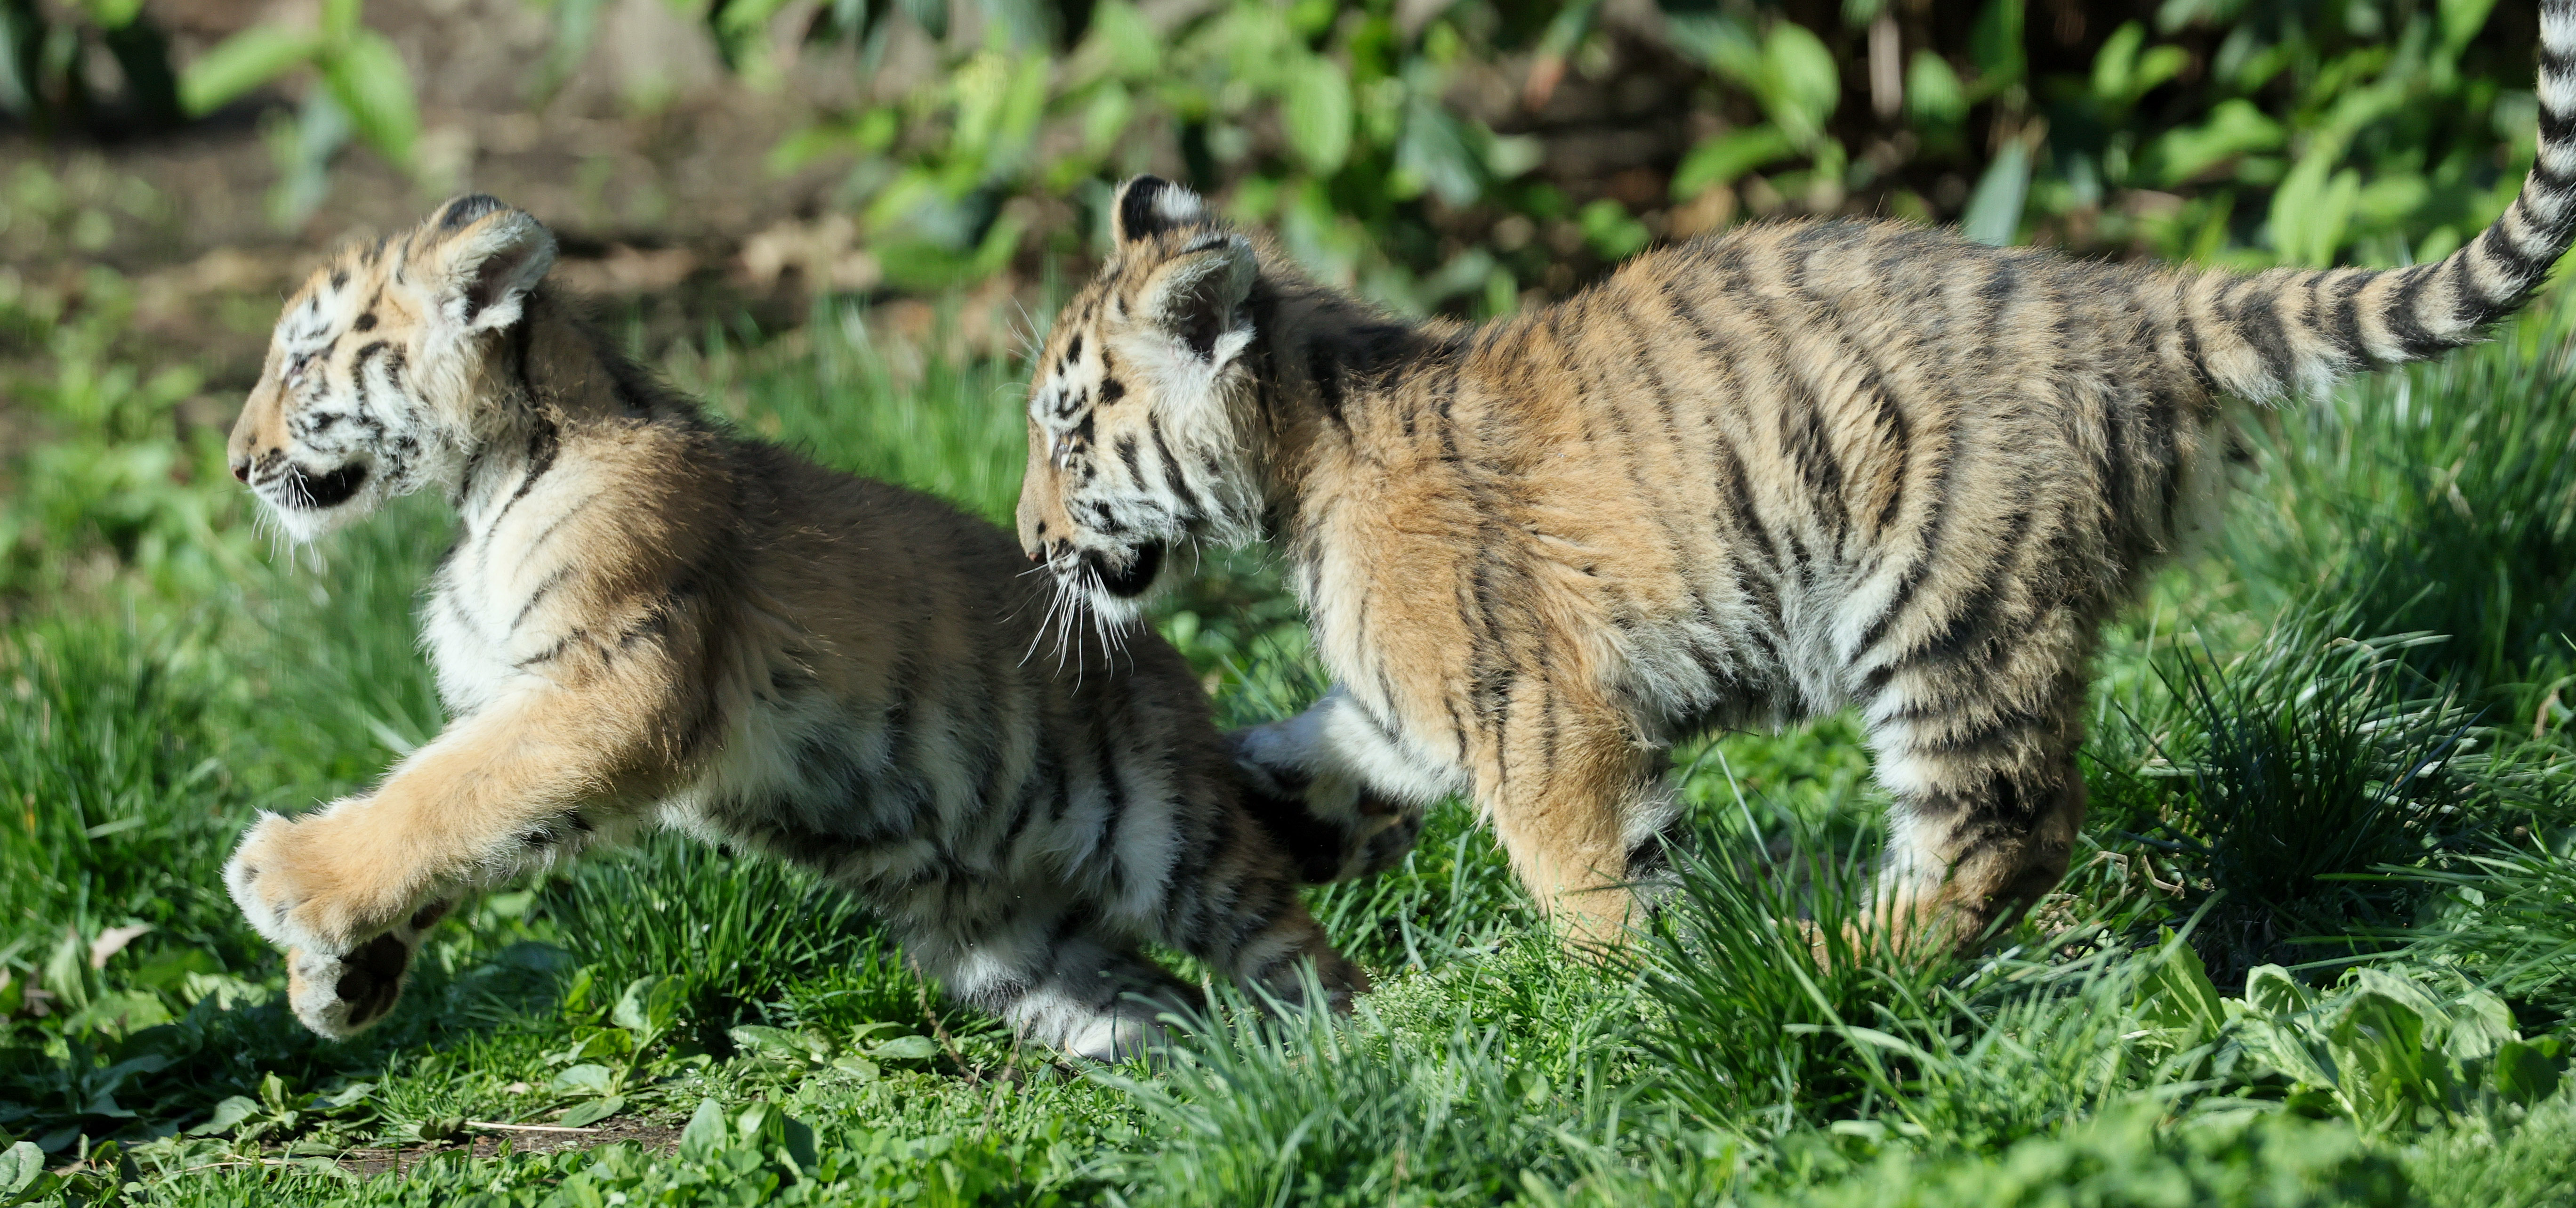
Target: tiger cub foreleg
1337	790
1244	917
348	891
1988	804
1581	805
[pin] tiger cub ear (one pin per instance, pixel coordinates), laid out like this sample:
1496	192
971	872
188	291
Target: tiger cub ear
1197	297
1147	206
484	257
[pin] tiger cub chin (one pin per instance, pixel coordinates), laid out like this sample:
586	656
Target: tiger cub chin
1745	480
647	621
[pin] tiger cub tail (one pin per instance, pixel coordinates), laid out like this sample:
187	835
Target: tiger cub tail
2298	330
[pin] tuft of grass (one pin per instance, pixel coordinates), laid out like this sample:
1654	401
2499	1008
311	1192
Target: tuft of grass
954	429
738	929
1757	970
2510	918
2129	1160
1469	1101
114	803
2298	772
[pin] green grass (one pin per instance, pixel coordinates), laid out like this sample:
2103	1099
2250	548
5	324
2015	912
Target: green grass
2275	784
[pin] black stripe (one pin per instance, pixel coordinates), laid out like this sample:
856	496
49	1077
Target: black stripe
1326	372
2258	322
1172	469
2193	356
551	582
544	442
2414	342
1975	614
2345	330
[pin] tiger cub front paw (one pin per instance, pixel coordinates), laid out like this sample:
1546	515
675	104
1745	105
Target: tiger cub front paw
339	995
348	932
1333	827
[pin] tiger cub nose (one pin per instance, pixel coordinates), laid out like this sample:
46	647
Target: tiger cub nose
241	469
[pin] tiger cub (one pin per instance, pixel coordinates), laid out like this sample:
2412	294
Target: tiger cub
646	620
1746	480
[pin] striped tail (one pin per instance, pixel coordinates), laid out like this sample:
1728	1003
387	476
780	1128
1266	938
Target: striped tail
2287	330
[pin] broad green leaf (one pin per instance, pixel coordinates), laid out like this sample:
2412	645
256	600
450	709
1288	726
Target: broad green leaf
2480	1024
649	1006
705	1133
1315	113
2114	64
1611	231
1121	43
1934	99
1105	118
2284	1047
2178	996
20	1165
1995	47
583	1079
355	1092
1722	159
2234	127
2385	1071
1719	41
931	15
339	20
1800	86
777	1042
2461	21
242	62
113	14
2526	1072
1433	151
2270	990
2311	211
586	1114
1993	216
367	77
904	1048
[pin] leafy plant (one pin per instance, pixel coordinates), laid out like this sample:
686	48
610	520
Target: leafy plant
364	90
49	73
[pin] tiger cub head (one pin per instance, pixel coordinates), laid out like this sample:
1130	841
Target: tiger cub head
1134	441
369	387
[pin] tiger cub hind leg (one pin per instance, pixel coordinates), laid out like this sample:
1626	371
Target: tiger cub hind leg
1988	804
1090	994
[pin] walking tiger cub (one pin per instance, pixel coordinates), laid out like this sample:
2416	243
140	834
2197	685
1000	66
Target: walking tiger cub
647	620
1747	479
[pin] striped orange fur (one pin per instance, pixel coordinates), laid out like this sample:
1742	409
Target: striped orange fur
649	621
1745	480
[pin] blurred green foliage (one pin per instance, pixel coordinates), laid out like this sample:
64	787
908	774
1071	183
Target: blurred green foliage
1452	155
1366	136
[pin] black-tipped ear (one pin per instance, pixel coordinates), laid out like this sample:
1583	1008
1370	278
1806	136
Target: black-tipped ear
461	213
492	257
1150	205
1197	295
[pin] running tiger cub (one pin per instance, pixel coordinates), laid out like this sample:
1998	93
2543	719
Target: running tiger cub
1747	479
646	620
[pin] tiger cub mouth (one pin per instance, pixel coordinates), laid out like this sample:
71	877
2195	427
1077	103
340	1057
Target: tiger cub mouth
1131	580
308	490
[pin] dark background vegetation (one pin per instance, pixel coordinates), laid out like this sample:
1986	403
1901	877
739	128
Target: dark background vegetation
2319	946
